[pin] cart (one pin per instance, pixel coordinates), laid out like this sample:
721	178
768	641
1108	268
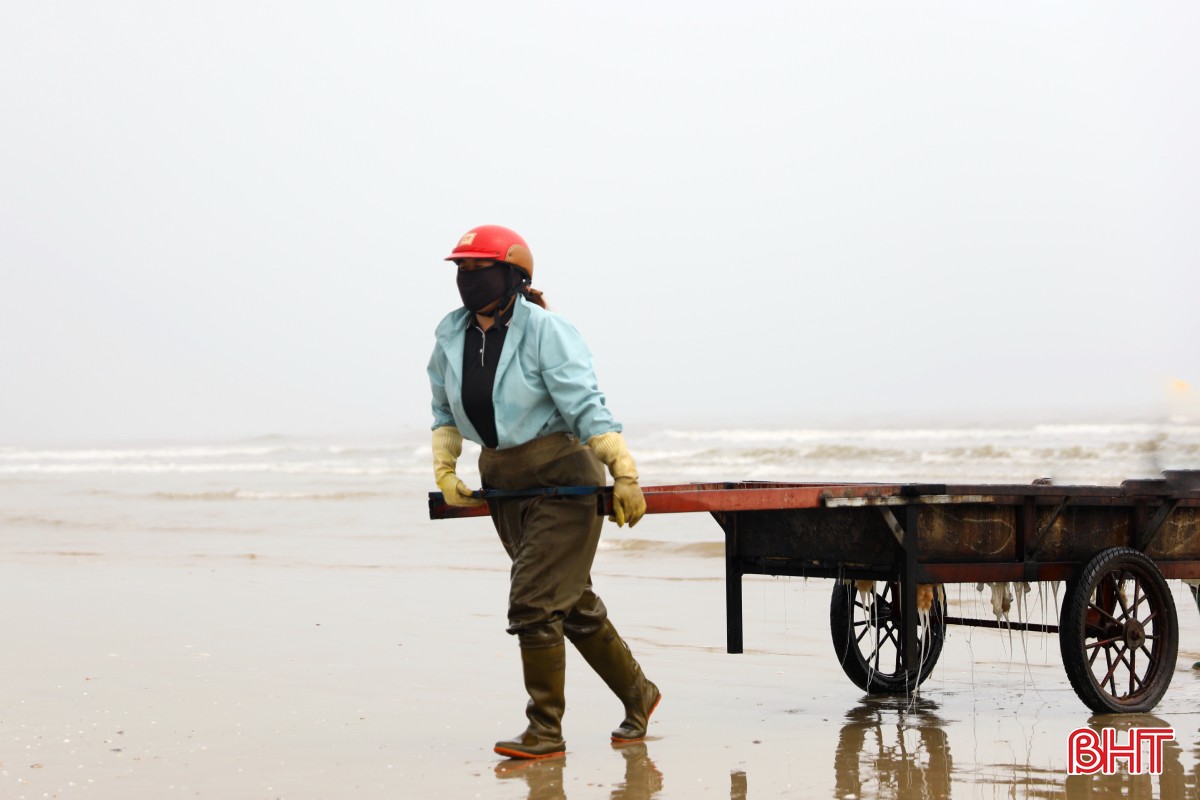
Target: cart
884	544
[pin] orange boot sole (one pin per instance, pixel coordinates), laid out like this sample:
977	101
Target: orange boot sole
650	713
504	751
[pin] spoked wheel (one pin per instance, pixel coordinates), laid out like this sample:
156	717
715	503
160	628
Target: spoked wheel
868	637
1119	634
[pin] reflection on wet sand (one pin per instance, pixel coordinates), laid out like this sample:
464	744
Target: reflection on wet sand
893	749
642	778
900	748
544	779
737	786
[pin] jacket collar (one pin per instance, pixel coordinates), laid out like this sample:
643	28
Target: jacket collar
451	334
516	332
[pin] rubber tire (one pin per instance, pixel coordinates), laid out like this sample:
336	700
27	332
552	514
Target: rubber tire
899	681
1072	642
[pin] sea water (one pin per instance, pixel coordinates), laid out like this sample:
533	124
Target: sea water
341	499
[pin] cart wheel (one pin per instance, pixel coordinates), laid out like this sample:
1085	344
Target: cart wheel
1119	634
867	636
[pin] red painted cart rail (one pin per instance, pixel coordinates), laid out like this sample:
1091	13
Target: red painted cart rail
689	497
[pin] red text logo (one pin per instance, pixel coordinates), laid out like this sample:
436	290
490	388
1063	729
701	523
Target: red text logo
1090	751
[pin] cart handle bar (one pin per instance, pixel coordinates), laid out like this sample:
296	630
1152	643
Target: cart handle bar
547	491
707	497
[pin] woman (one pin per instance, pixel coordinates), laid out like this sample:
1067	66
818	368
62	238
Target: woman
518	380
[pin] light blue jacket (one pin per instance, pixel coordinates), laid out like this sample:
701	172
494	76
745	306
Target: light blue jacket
544	381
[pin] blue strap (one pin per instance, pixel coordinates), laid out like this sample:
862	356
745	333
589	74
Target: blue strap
549	491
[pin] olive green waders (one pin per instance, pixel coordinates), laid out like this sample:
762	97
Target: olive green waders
552	542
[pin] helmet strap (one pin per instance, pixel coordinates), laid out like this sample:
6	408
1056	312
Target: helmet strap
517	284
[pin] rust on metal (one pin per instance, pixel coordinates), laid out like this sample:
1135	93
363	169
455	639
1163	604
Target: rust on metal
1147	535
1044	527
976	532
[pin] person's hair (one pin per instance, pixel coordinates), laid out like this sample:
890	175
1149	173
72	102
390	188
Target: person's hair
534	296
531	294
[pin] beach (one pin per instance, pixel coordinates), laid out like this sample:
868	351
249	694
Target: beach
278	618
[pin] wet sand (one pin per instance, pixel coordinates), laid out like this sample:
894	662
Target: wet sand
266	666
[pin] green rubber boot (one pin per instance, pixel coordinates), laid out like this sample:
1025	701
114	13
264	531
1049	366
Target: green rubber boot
545	673
607	654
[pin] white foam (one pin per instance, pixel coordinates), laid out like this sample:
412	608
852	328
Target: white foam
1093	453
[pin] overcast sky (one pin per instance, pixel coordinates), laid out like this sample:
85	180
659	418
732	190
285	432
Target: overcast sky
229	218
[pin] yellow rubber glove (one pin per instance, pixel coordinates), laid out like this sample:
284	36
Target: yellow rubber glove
628	503
447	447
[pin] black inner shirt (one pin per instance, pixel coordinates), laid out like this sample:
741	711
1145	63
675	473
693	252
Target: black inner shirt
481	356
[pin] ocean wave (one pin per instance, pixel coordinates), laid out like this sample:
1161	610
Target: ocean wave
1102	429
241	494
746	436
1141	430
196	453
845	452
724	454
158	453
647	454
702	549
36	519
300	468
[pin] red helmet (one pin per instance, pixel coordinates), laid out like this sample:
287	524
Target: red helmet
495	242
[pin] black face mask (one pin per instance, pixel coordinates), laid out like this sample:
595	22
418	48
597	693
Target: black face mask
481	287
